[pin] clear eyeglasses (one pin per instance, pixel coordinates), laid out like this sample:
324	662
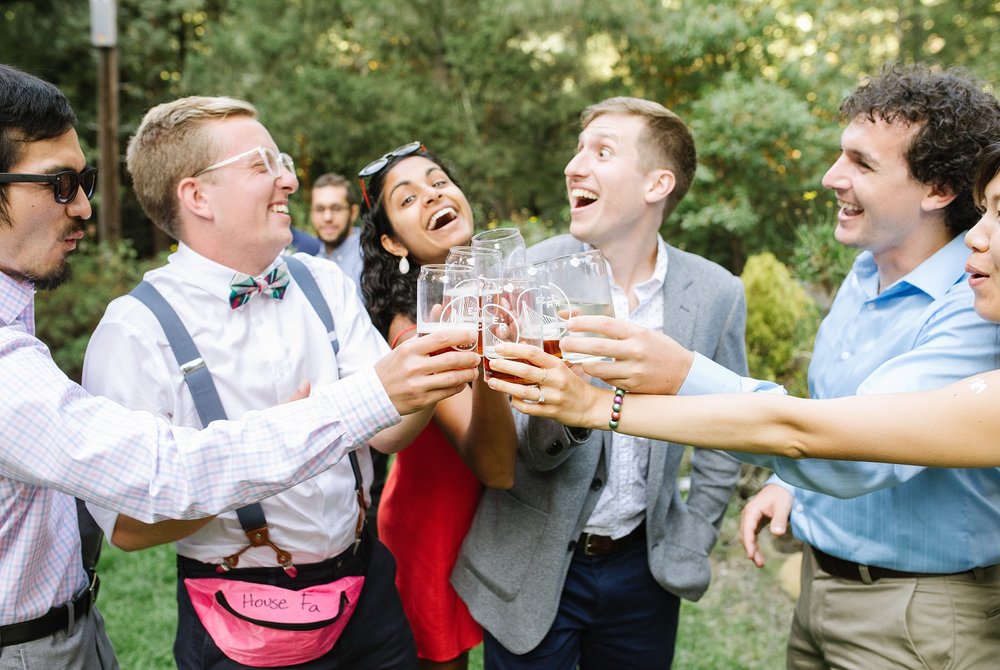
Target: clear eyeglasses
273	161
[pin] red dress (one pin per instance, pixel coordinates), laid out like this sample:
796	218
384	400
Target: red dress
426	509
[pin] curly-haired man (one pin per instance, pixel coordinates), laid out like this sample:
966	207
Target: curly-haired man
900	567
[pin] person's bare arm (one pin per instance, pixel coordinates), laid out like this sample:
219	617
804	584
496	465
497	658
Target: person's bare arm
478	423
954	426
416	381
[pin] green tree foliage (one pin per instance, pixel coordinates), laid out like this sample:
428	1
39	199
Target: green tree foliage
781	323
68	316
496	88
819	260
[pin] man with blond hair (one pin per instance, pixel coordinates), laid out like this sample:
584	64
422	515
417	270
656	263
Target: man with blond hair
208	173
584	561
57	441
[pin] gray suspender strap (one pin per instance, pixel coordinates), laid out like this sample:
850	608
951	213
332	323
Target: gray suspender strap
305	280
310	288
206	397
196	375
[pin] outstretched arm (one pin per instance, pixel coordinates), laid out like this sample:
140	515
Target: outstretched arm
480	426
954	426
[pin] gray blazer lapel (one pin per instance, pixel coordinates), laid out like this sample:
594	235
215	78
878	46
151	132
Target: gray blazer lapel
678	300
678	322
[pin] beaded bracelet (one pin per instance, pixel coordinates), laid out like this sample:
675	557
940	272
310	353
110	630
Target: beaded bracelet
616	408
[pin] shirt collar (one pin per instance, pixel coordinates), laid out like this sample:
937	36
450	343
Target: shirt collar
659	275
205	273
935	276
656	280
17	302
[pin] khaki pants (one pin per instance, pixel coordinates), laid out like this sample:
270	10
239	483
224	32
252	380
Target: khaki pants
935	623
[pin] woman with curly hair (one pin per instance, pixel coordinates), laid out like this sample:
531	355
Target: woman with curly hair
413	213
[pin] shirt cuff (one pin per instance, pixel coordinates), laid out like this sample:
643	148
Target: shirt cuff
361	404
706	377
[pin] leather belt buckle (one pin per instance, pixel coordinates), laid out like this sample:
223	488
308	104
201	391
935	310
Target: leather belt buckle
597	545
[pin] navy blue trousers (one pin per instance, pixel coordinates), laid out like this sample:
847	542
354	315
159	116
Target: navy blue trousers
378	636
612	615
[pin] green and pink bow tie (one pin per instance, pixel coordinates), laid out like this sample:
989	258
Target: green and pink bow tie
244	286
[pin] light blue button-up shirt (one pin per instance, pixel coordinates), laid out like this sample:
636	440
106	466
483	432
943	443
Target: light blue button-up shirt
348	257
919	333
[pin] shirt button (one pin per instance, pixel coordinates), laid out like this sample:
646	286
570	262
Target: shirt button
596	484
554	449
871	307
798	507
844	355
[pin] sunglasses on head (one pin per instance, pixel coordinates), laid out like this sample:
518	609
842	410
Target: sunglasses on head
64	184
379	164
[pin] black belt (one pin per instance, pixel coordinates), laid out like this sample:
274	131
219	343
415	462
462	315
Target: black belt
856	572
601	545
53	621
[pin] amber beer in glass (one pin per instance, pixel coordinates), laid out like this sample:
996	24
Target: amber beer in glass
510	314
487	263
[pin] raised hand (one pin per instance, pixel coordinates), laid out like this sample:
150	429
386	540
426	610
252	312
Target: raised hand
424	370
644	361
557	392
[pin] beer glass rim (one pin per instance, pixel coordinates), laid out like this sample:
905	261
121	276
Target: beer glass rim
494	234
584	252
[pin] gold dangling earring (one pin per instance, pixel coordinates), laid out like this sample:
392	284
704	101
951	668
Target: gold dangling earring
404	265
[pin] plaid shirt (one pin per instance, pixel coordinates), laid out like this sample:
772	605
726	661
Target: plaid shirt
57	441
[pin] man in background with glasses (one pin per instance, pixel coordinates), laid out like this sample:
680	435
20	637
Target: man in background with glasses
585	560
207	172
333	209
57	441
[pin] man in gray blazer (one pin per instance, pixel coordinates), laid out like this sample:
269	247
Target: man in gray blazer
584	560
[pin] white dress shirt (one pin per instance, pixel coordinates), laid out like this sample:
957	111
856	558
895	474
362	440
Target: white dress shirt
622	504
57	441
258	354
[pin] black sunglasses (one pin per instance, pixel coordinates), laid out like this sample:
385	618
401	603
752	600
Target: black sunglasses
64	184
379	164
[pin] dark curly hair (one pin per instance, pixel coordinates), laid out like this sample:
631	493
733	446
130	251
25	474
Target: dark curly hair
989	167
957	120
387	292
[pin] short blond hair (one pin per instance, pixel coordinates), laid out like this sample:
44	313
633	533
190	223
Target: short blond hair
171	144
666	143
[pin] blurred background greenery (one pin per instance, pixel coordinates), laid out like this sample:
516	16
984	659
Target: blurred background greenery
496	88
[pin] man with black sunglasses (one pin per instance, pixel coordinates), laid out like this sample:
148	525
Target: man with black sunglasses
57	441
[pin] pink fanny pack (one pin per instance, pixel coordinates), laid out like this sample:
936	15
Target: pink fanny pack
266	626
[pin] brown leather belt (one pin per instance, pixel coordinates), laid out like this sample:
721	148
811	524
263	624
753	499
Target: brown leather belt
601	545
53	621
856	572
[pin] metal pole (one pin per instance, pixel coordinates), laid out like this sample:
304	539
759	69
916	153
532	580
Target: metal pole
109	217
104	36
